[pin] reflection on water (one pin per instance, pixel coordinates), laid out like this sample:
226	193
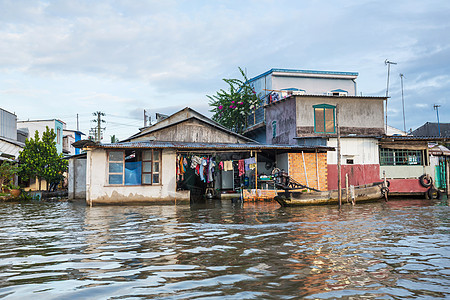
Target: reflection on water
398	249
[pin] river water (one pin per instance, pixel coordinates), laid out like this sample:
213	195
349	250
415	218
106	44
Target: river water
225	250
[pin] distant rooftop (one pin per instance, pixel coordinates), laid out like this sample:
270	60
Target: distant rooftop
432	129
45	120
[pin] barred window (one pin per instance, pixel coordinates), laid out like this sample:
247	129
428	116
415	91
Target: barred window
399	157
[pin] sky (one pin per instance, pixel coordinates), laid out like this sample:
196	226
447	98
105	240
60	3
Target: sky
68	59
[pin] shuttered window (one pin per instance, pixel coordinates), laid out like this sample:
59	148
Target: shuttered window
324	120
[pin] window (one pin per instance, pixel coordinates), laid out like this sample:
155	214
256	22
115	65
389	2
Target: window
399	157
133	167
324	121
58	136
115	167
151	166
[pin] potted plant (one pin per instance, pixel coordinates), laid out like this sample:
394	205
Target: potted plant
14	190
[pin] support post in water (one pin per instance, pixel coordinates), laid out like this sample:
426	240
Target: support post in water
346	186
338	155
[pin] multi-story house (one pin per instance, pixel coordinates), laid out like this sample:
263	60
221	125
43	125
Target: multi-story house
303	107
312	120
277	84
41	125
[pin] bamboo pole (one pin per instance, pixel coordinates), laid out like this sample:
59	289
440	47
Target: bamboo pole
338	155
304	169
317	171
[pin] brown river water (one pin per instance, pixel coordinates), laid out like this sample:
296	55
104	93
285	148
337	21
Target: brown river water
225	250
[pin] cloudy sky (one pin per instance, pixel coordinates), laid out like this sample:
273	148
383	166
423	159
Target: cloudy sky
60	59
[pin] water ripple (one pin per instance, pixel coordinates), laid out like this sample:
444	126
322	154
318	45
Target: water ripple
383	250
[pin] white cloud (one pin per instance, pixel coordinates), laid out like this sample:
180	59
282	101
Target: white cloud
66	57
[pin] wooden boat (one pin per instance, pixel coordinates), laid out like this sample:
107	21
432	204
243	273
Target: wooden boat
364	193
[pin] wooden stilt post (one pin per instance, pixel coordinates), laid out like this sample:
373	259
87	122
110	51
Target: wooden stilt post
256	171
338	155
346	187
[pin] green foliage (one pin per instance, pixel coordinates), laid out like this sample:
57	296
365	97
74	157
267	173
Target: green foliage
231	108
7	171
114	139
40	158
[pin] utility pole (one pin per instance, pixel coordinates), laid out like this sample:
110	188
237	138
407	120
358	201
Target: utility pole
436	108
403	103
97	130
388	63
78	124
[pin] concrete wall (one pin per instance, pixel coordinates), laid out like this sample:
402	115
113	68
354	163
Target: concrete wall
285	117
316	172
314	86
357	115
406	171
77	178
99	192
192	131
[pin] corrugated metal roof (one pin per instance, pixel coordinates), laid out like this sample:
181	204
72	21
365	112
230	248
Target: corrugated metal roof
11	141
206	146
414	138
303	72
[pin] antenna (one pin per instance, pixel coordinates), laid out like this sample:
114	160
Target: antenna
388	63
403	103
436	108
145	118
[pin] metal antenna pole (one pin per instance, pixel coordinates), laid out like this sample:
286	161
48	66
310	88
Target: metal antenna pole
388	63
403	103
436	108
145	118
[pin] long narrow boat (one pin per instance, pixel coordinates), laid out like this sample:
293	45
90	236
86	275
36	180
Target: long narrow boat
364	193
